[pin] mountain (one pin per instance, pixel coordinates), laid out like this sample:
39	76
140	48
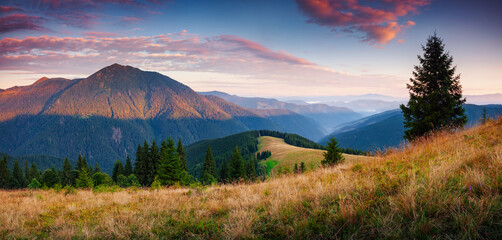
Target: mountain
326	116
105	115
484	99
384	130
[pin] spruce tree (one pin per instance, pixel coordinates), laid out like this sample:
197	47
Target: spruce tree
251	168
295	169
153	162
128	166
224	171
34	173
333	155
436	101
237	165
17	173
209	174
97	169
182	154
27	175
140	165
67	178
302	167
49	177
169	170
84	179
4	174
118	169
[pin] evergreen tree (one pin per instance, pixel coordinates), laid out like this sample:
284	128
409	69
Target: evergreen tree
84	180
295	169
17	173
209	174
224	176
302	167
182	154
435	93
484	117
333	155
251	169
4	174
27	175
237	165
67	178
153	162
50	177
118	169
169	171
34	184
96	168
128	167
140	165
100	178
34	173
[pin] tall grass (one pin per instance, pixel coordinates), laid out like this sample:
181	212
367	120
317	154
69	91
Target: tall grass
444	186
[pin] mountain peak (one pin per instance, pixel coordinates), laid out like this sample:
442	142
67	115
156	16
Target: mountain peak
41	80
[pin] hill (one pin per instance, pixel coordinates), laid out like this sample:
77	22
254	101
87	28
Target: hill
384	130
105	115
222	148
326	116
444	187
285	156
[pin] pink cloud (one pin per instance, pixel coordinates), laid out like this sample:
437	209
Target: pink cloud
21	22
5	9
100	34
378	20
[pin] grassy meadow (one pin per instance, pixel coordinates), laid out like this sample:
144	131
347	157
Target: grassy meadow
447	186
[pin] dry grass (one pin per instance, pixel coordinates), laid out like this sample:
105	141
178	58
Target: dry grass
448	186
285	156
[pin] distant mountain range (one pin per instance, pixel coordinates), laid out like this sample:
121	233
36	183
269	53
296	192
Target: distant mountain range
326	116
384	130
105	116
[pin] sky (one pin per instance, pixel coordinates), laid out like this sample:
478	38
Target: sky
267	48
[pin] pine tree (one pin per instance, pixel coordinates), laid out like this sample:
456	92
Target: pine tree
35	184
67	178
169	171
182	154
224	171
333	155
302	167
237	165
140	165
118	169
27	175
484	117
128	166
84	180
34	173
17	173
295	169
436	101
209	174
4	174
251	169
153	162
97	169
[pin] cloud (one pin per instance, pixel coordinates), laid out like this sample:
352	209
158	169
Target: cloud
101	34
377	20
78	13
16	22
226	55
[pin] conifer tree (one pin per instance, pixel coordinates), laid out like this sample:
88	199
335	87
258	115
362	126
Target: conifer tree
182	154
153	162
17	173
237	165
140	165
4	174
333	155
118	169
169	171
27	175
97	169
67	178
224	171
302	167
209	174
84	180
484	116
34	173
436	101
251	169
128	166
295	169
35	184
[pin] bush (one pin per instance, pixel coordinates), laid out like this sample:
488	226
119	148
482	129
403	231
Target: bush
35	184
100	178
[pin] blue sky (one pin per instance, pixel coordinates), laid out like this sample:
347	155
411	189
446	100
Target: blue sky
253	48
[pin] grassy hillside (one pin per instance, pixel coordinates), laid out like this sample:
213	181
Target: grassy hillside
284	156
447	187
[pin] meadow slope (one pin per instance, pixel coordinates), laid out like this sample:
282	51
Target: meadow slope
447	186
285	156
